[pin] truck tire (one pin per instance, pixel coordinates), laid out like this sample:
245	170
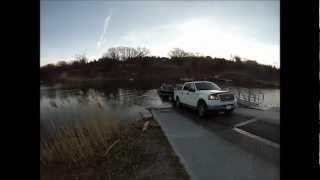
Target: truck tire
228	112
201	109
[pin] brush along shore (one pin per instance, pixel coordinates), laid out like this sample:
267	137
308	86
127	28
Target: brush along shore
105	149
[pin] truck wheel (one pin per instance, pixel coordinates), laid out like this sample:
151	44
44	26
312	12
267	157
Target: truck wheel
228	112
201	109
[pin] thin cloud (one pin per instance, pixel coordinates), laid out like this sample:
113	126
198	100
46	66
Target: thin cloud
103	35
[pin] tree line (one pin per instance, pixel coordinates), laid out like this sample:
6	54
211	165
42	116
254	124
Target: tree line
127	62
123	53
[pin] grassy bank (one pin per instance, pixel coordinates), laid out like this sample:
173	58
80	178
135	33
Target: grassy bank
105	149
239	73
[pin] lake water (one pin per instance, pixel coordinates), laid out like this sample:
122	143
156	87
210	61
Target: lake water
60	105
270	97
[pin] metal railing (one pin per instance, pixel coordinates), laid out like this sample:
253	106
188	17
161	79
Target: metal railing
248	97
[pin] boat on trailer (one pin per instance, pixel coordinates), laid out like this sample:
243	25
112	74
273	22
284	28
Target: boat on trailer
166	91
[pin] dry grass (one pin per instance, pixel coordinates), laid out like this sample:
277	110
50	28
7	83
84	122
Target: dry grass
103	145
75	144
102	148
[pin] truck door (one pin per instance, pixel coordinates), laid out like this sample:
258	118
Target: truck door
185	93
192	96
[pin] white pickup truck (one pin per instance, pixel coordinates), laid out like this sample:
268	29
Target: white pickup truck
204	96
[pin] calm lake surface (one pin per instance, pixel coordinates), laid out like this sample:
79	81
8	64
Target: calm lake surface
61	105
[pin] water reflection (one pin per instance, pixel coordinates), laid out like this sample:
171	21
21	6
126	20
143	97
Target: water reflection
58	105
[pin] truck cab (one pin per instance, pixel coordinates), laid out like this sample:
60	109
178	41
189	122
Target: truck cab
205	96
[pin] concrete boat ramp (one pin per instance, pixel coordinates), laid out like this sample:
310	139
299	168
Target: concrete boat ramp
212	148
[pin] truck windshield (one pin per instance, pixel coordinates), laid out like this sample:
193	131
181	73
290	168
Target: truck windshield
207	86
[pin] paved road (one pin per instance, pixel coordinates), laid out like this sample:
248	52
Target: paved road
266	116
212	149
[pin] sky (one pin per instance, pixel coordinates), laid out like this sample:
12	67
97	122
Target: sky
249	29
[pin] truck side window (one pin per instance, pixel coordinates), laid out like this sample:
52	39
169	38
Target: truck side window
192	87
186	87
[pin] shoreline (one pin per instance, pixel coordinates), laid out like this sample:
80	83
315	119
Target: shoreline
152	82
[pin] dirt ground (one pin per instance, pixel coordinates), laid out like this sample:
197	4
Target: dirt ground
164	164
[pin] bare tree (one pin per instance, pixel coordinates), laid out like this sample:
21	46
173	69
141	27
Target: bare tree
81	58
195	54
124	53
178	53
130	53
236	58
142	52
112	53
